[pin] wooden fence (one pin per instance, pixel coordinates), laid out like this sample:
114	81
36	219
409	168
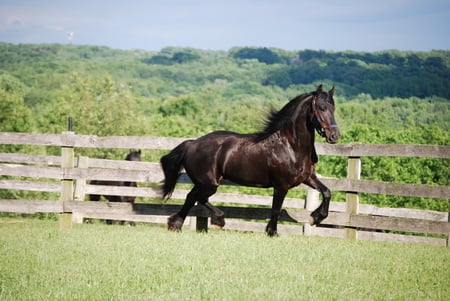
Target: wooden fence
68	176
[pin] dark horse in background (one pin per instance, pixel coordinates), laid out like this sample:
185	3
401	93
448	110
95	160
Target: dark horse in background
134	155
282	156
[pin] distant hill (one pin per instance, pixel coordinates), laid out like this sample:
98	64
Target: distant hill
387	73
381	74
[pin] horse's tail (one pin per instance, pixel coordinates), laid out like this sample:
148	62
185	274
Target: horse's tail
171	165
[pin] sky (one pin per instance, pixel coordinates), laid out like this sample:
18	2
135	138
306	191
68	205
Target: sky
358	25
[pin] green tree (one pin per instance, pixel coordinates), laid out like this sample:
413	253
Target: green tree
263	55
15	116
182	106
98	105
279	77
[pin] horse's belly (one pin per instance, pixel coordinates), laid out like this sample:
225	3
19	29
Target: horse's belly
246	180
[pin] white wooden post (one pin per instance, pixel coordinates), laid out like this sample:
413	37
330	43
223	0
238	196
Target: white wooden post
80	189
311	203
352	198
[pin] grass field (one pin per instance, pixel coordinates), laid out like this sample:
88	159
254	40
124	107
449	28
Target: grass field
99	262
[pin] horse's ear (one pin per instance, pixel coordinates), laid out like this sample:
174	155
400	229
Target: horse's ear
319	89
139	151
331	92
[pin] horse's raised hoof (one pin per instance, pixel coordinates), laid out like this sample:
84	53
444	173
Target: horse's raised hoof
316	218
174	223
218	221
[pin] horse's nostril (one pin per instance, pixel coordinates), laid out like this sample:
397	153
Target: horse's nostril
334	136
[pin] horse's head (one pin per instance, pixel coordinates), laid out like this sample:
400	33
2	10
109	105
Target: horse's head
323	115
134	155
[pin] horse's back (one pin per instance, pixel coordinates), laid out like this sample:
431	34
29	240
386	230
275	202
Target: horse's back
211	145
225	155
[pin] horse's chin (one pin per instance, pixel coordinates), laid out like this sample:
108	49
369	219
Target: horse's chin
331	141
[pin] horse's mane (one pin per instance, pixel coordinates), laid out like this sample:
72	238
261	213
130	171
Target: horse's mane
276	120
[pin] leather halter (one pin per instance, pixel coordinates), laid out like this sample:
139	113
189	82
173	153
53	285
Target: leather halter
323	126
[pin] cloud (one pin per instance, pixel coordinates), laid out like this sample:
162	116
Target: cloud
12	21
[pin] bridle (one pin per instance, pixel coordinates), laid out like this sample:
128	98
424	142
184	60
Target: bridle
322	125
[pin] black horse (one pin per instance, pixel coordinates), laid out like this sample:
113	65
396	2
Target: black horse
282	156
134	155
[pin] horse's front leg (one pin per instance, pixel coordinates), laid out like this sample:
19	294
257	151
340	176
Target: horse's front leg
321	212
277	203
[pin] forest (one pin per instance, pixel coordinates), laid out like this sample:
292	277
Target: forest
381	97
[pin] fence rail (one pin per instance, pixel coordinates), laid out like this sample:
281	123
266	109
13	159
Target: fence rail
165	143
69	176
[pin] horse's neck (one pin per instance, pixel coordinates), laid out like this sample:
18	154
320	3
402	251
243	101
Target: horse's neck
302	130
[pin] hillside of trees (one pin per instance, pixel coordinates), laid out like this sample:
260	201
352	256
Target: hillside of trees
382	97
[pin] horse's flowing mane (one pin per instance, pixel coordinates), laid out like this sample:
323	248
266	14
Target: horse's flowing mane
276	120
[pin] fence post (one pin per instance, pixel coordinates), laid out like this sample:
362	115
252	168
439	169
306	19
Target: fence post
200	221
311	203
201	224
67	189
352	198
80	189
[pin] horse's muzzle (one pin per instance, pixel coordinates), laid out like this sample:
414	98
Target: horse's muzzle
332	135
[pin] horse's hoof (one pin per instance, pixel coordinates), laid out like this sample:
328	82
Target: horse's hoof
218	221
174	223
272	233
317	217
173	229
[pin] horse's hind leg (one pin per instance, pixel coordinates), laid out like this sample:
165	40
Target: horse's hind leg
175	221
198	193
217	215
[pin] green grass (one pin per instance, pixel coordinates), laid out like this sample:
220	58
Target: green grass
38	261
